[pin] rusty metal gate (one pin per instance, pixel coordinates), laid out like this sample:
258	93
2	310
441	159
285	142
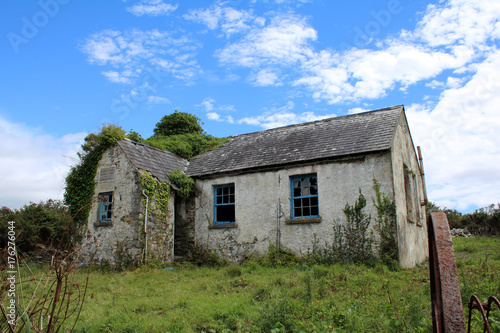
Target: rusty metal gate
447	307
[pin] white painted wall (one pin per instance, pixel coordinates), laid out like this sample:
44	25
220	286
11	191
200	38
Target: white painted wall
412	236
258	194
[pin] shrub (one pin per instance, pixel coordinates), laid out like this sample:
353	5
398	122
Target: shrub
45	223
183	182
352	240
386	226
281	256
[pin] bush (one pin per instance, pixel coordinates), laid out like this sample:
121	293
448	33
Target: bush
44	224
183	182
352	241
281	256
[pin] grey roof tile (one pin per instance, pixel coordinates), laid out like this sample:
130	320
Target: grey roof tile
158	162
330	138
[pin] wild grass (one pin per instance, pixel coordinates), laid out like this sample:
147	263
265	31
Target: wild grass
296	298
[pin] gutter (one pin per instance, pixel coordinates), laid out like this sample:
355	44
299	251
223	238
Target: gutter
146	227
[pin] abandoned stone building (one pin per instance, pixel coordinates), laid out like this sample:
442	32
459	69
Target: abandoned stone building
286	185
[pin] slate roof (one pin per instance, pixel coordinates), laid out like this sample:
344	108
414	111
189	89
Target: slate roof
325	139
158	162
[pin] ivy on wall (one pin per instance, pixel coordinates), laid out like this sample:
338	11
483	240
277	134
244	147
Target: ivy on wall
183	182
157	192
79	190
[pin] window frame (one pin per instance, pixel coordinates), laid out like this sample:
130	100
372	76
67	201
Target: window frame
216	205
293	198
411	196
105	205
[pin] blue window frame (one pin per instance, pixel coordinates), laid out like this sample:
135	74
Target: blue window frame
106	206
224	208
304	196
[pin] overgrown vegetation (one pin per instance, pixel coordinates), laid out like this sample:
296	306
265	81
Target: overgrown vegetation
300	298
181	133
482	221
182	181
353	241
158	194
80	184
41	224
386	226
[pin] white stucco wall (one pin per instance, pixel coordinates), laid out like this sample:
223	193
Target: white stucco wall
258	194
412	235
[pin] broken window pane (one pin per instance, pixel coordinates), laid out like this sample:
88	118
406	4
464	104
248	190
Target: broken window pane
305	196
105	207
306	191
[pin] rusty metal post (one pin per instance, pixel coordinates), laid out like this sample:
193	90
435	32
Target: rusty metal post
447	309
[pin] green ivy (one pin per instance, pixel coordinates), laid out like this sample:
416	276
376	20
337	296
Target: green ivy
183	182
155	189
79	190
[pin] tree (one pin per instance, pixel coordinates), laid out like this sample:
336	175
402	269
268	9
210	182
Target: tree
178	123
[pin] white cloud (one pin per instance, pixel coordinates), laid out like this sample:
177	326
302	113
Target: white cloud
158	100
264	77
285	41
449	36
208	104
116	77
129	53
470	23
213	116
34	164
282	116
229	20
152	7
461	131
356	110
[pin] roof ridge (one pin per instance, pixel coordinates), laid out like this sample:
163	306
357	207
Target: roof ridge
321	120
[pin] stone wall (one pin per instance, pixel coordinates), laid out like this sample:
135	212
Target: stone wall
121	240
117	241
160	226
262	205
185	211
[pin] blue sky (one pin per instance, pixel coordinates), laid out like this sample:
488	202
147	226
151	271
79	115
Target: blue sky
68	66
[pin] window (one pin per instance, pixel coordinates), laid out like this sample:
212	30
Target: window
224	209
411	194
106	205
304	199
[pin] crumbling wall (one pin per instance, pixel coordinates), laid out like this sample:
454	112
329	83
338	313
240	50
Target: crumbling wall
185	211
159	230
121	241
117	241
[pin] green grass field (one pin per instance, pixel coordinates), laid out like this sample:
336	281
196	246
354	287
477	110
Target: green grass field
253	298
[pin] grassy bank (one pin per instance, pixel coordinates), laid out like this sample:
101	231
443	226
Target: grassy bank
254	298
